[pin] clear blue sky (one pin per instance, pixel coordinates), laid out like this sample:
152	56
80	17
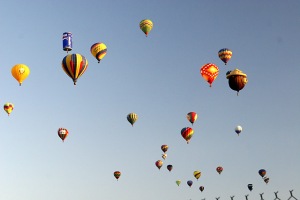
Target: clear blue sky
158	78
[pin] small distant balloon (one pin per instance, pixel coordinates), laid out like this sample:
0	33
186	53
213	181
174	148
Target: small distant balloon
238	129
197	174
67	41
219	169
8	107
159	164
117	174
192	117
266	179
132	118
190	183
187	133
63	133
178	182
250	187
164	148
146	26
262	172
201	188
225	55
170	167
164	156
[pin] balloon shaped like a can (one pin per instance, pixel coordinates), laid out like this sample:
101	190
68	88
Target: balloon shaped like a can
20	72
236	80
67	41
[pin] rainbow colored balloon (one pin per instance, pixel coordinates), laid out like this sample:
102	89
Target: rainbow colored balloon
187	133
225	55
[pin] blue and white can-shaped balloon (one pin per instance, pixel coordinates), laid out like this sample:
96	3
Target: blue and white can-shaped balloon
67	41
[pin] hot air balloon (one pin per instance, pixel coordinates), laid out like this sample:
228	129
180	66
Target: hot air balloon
209	72
67	41
238	129
266	179
178	182
190	183
117	174
170	167
132	118
192	117
99	50
63	133
262	172
236	80
20	72
146	26
159	164
187	133
225	55
164	156
164	148
201	188
8	107
219	169
250	187
74	66
197	174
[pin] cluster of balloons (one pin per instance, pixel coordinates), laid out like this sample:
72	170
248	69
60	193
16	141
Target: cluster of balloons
75	65
236	78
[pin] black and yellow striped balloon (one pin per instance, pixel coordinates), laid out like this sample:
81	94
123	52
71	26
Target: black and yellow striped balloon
74	66
132	117
99	50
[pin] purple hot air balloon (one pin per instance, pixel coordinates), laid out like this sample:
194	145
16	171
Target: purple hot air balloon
190	183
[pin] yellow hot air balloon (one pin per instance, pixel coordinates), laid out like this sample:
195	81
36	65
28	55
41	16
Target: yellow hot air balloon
99	50
146	26
132	118
197	174
8	107
74	66
20	72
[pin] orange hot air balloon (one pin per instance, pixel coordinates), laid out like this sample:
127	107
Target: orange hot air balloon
63	133
117	174
209	72
225	55
219	169
159	164
187	133
192	117
20	72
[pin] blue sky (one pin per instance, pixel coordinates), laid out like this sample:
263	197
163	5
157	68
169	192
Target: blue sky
157	77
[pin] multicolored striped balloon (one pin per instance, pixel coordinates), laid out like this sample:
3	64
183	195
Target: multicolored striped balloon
117	174
74	66
99	50
187	134
146	26
225	55
159	164
192	117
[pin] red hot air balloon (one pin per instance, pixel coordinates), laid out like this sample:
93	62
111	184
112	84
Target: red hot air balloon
192	117
63	133
187	133
209	72
219	169
159	164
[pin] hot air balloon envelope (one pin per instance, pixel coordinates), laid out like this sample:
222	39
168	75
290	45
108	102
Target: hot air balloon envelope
159	164
262	172
132	118
99	50
164	148
201	188
8	107
67	41
225	55
74	66
197	174
63	133
190	183
146	26
209	72
117	174
20	72
219	169
170	167
192	117
236	79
